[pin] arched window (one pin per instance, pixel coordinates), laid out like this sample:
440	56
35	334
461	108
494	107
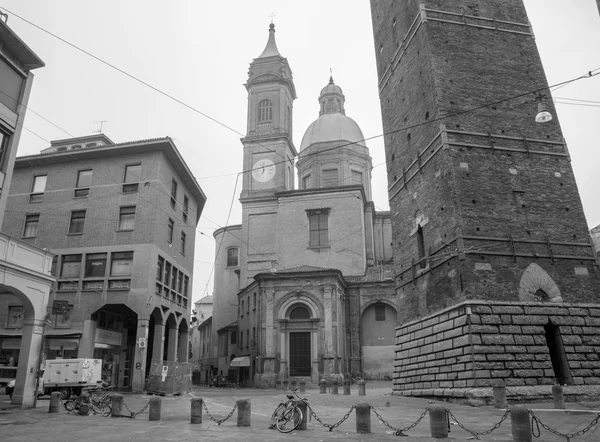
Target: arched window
300	312
265	111
232	257
421	247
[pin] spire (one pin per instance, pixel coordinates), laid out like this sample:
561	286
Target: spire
271	48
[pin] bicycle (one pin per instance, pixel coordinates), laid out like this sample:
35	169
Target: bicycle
287	416
83	404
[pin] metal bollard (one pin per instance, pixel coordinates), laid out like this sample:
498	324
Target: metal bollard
304	409
519	422
322	386
557	395
155	407
302	386
196	414
363	418
500	395
346	387
54	402
117	405
362	389
334	387
244	411
438	421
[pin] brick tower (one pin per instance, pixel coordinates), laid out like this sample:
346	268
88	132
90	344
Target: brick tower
495	272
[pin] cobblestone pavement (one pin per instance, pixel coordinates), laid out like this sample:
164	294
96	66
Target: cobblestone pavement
39	425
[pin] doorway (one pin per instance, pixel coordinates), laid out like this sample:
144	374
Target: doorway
560	365
300	362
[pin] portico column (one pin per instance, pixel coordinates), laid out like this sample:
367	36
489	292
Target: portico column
173	341
88	339
139	363
158	344
328	317
29	358
184	344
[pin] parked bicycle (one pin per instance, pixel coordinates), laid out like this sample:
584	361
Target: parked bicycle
84	404
287	416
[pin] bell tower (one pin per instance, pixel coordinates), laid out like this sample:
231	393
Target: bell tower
269	151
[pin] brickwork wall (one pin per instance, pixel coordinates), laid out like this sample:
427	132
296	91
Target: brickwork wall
496	341
486	170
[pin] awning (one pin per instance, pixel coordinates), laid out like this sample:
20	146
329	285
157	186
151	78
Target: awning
242	361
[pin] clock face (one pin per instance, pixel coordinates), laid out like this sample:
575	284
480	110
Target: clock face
263	170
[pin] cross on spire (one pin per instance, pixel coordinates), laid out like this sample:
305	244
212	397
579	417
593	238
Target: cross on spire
272	16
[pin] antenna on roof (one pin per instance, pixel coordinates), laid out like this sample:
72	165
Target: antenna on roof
101	124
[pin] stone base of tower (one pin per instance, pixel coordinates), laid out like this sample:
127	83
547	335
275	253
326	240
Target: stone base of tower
477	344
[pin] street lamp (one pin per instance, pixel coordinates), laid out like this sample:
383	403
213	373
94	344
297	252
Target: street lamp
542	116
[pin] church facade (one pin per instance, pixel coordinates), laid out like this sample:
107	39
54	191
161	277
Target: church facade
303	286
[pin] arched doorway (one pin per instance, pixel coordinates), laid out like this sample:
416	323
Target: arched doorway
299	340
377	325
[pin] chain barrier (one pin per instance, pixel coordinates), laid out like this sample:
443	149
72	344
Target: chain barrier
589	407
330	426
218	421
132	414
476	434
397	431
536	422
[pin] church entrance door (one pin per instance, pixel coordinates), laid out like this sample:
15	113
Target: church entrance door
300	364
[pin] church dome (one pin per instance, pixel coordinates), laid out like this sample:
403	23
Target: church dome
332	124
332	127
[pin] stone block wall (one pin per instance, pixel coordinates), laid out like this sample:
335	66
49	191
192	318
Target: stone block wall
476	344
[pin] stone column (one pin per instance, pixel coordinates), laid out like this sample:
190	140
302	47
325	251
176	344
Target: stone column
173	341
158	344
329	353
268	377
29	357
184	346
139	363
88	339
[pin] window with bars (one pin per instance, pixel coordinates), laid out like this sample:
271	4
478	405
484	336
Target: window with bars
133	174
330	177
318	221
77	222
31	225
127	218
37	188
84	182
265	111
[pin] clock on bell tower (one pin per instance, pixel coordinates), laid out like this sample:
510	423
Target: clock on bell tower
269	151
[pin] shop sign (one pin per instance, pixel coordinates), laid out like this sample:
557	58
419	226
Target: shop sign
108	337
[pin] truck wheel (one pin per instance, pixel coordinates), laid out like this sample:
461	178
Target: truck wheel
65	393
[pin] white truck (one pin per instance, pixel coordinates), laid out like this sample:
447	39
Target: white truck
69	376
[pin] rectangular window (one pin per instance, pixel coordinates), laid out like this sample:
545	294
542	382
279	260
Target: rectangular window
63	319
180	282
306	182
16	314
330	177
232	257
254	301
38	188
318	228
174	278
183	238
186	203
234	337
173	193
121	263
159	268
31	226
241	339
186	283
380	312
170	227
127	218
54	264
133	174
167	274
70	266
247	338
242	308
77	221
248	311
3	147
95	265
11	83
84	182
356	178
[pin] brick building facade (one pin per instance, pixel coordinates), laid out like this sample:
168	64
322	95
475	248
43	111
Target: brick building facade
120	219
484	201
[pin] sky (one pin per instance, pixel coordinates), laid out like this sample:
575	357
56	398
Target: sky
199	52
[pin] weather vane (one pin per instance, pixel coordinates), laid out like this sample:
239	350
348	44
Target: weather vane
272	16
